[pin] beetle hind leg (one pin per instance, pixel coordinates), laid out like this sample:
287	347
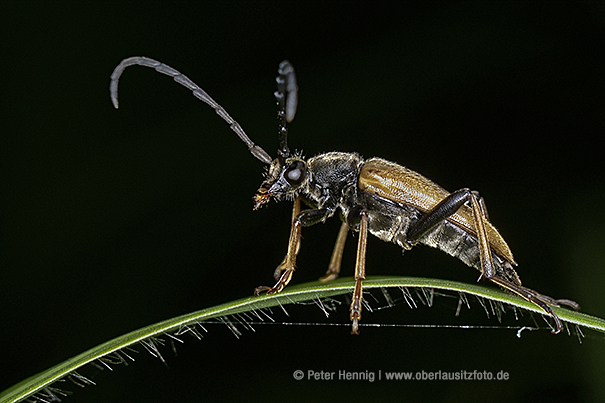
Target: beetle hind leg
489	272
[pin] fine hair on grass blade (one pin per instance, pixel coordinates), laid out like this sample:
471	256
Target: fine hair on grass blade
152	338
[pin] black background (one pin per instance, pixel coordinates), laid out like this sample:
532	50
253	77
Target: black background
114	220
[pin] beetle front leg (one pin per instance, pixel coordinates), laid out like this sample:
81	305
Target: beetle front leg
305	218
282	265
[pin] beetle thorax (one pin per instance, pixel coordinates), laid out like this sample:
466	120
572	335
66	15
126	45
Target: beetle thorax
331	175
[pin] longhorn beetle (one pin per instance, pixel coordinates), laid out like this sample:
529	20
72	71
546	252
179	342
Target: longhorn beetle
387	200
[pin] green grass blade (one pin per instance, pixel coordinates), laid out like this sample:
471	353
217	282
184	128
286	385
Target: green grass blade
301	293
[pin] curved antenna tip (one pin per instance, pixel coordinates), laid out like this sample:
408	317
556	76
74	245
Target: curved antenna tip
113	88
199	93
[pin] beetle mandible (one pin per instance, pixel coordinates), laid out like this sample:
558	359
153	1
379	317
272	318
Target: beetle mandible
377	196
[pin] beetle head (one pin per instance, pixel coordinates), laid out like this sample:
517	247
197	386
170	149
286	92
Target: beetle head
285	178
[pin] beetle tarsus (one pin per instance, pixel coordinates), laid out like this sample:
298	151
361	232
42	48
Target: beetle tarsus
543	302
281	283
355	327
261	289
567	302
355	309
558	325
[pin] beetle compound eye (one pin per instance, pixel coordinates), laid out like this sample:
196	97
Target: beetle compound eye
295	172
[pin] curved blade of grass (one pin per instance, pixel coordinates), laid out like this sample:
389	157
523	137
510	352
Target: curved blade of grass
304	292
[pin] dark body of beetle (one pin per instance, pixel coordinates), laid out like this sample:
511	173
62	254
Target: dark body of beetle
398	205
387	200
395	198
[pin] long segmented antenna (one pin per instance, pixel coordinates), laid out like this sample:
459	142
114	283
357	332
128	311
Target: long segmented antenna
197	92
287	101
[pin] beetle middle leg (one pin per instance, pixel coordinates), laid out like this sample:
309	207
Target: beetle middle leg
360	270
336	259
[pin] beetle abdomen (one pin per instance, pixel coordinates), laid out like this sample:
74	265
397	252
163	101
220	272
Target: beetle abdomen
405	187
390	222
